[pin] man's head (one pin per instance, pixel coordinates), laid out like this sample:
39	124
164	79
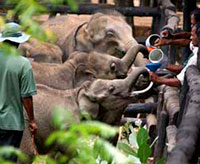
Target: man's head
198	32
194	37
11	33
195	17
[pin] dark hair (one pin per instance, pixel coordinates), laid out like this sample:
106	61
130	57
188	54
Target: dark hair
16	45
196	14
198	33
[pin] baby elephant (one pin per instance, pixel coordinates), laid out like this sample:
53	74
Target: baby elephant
103	99
83	66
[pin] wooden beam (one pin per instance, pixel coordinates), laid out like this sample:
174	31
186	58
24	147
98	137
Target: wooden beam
187	147
91	8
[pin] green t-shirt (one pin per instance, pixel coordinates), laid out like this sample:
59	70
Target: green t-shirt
16	81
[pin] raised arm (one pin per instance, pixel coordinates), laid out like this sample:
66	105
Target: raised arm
180	42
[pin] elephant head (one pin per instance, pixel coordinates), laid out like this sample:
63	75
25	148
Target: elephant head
83	66
97	65
105	100
104	66
106	32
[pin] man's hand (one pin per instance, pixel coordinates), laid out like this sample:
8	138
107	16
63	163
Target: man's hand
161	42
165	34
33	127
153	76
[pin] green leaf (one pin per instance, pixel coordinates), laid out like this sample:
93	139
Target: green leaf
9	150
144	152
62	118
111	152
142	136
94	128
40	158
133	140
161	161
126	148
134	159
49	160
73	5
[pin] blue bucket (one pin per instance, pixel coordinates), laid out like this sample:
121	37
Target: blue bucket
153	66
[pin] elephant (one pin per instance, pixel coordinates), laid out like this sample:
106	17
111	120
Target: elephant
42	51
83	66
105	32
103	99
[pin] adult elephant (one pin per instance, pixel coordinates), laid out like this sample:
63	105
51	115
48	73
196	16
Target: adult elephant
105	32
103	99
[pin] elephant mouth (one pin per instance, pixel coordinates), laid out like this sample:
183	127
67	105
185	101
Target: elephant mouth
119	53
141	85
142	91
142	82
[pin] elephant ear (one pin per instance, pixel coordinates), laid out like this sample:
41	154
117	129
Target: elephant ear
88	101
82	74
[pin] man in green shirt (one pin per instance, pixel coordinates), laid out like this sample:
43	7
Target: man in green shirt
17	85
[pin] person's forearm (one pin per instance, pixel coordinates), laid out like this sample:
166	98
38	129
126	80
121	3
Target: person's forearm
174	68
170	82
181	35
180	42
28	105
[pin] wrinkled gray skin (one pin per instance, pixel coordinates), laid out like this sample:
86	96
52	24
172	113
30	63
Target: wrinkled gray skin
104	100
106	33
85	66
41	51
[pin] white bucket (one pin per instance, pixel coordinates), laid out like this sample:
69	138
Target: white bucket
156	56
150	41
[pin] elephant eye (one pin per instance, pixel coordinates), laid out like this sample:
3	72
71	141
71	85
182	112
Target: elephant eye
113	67
111	88
110	34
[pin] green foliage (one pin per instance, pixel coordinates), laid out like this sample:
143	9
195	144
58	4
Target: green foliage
84	142
162	160
126	148
9	50
30	26
28	12
7	151
137	146
142	136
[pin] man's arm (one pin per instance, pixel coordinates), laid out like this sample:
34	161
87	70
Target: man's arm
175	68
170	82
166	34
28	105
180	42
181	35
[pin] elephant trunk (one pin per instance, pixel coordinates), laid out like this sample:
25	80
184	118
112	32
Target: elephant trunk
139	59
133	77
132	53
